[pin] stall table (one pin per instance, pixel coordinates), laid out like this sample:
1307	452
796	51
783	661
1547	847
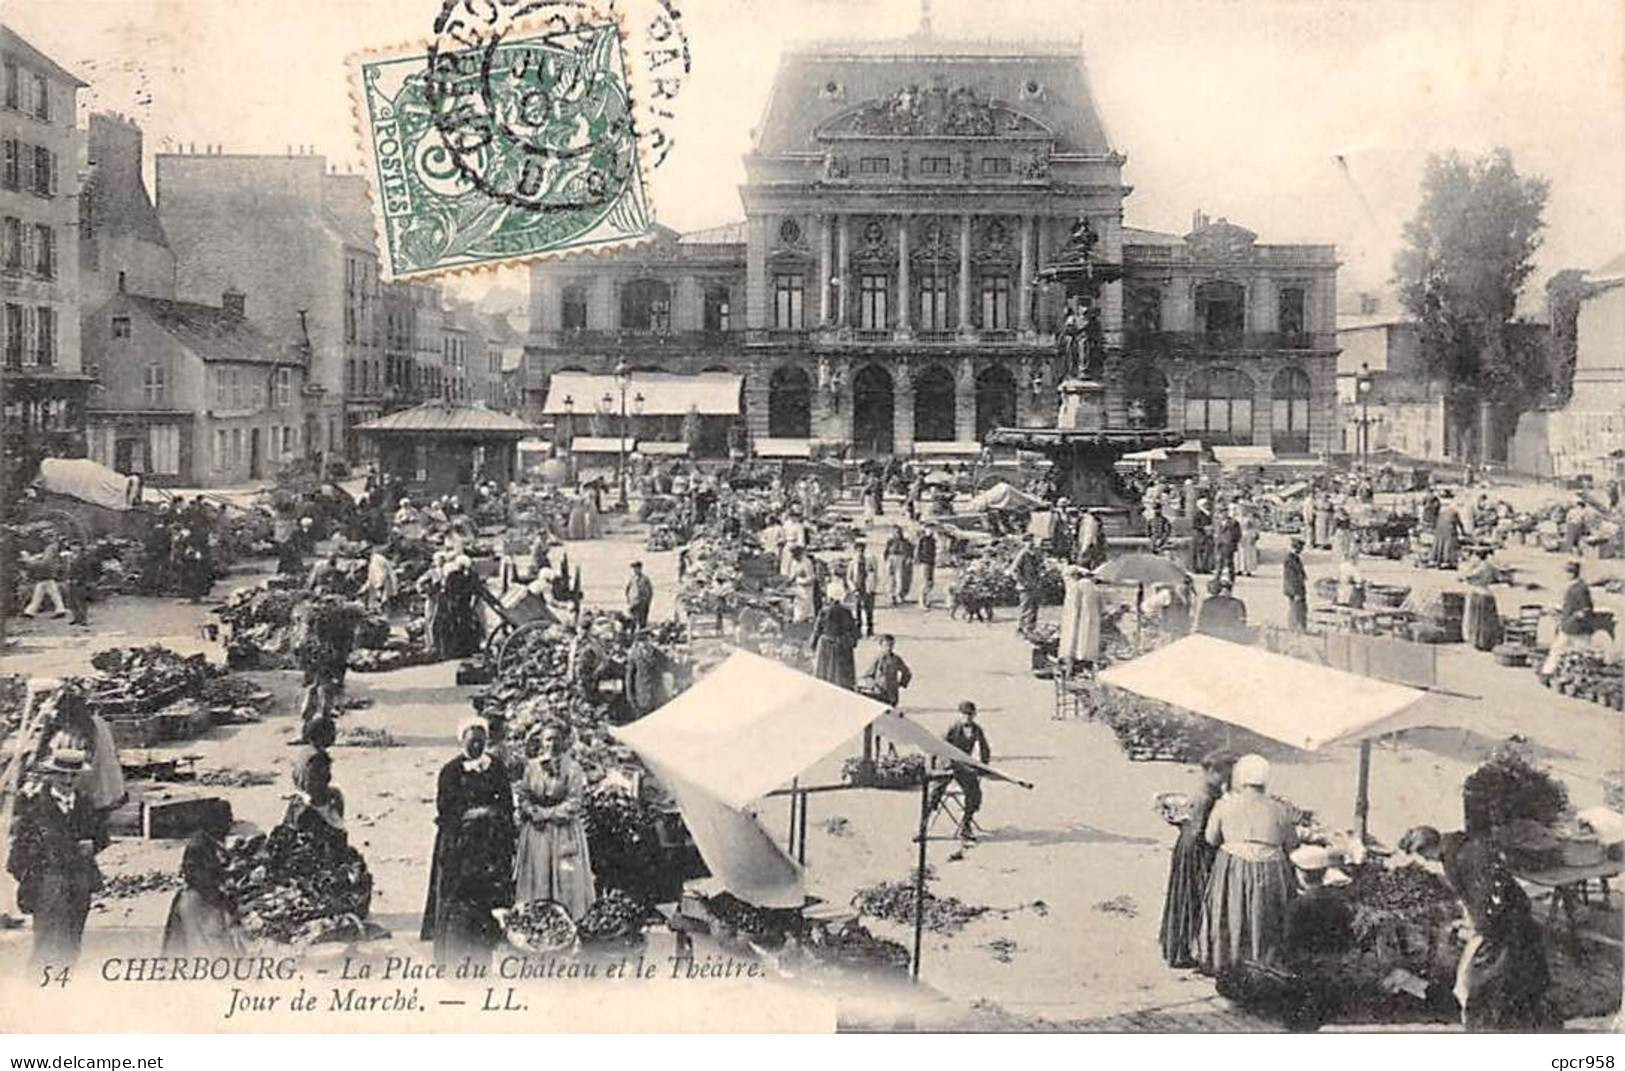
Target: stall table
1570	886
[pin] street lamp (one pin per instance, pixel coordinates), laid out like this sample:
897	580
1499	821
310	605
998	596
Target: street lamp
623	380
1362	390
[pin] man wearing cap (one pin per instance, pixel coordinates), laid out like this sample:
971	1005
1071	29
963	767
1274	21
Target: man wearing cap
863	578
968	737
1295	586
1029	573
925	556
639	594
1573	621
55	838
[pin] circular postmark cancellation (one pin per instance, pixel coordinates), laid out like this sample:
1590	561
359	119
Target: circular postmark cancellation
556	80
540	120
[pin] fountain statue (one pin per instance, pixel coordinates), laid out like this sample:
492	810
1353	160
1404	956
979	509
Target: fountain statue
1083	446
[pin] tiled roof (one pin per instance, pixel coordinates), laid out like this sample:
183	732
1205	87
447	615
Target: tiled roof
213	333
802	99
439	418
10	41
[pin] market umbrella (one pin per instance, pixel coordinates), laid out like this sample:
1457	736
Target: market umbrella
1141	569
1002	496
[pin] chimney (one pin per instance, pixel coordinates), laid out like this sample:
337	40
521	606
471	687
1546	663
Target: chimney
231	302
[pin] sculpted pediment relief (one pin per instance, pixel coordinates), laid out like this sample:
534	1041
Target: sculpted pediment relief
932	112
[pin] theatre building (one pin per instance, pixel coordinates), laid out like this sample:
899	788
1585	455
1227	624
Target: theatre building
884	287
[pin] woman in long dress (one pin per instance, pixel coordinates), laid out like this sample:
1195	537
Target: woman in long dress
472	868
200	920
1080	636
553	863
803	586
1447	535
460	633
1503	977
834	636
1191	865
1253	883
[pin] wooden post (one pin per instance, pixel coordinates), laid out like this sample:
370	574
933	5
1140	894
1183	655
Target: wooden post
795	800
1362	794
919	876
801	834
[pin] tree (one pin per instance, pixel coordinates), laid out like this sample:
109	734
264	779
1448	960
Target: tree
1565	292
1467	253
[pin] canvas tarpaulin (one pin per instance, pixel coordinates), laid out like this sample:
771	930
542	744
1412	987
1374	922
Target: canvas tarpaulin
1003	496
1276	696
746	728
749	726
88	481
647	393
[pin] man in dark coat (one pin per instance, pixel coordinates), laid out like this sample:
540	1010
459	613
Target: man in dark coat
1226	542
640	593
925	556
1029	570
55	838
968	737
1295	586
888	674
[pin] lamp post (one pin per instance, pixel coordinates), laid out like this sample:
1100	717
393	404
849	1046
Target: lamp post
623	380
1362	389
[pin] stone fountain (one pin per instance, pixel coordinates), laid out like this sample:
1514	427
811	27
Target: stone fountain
1083	446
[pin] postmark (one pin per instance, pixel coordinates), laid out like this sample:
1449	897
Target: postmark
514	144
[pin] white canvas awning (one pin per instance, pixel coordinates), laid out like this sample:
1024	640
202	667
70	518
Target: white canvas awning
662	449
782	447
746	728
1241	456
662	393
88	481
1003	496
593	444
1276	696
948	449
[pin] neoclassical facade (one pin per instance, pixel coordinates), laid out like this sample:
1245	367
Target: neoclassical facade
884	289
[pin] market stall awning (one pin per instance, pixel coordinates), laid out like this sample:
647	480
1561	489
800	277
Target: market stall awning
741	731
1277	696
88	481
662	393
593	444
948	449
1003	496
782	447
445	418
1241	456
658	449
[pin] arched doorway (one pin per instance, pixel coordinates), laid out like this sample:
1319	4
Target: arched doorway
872	411
1145	396
1219	407
934	415
789	403
995	400
1289	424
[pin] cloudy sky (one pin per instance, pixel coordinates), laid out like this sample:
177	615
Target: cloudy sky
1242	108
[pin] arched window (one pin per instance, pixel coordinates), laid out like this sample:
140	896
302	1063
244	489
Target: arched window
646	306
873	411
934	415
1219	407
1289	426
995	400
1145	396
789	403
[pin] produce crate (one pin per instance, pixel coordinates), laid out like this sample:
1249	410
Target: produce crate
134	732
179	819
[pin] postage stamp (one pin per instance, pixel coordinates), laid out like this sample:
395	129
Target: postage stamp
523	145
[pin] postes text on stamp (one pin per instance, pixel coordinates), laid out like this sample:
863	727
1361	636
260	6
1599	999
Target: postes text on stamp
521	148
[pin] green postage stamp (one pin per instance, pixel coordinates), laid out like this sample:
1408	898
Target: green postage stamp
519	147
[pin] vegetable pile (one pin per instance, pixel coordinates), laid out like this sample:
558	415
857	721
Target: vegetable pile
540	926
885	771
1510	787
989	577
126	886
851	945
131	681
298	885
614	915
1407	896
894	901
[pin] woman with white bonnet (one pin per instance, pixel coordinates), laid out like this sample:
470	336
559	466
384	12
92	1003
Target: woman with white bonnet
1253	882
472	868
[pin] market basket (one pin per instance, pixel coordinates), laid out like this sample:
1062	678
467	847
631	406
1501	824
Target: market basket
538	926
